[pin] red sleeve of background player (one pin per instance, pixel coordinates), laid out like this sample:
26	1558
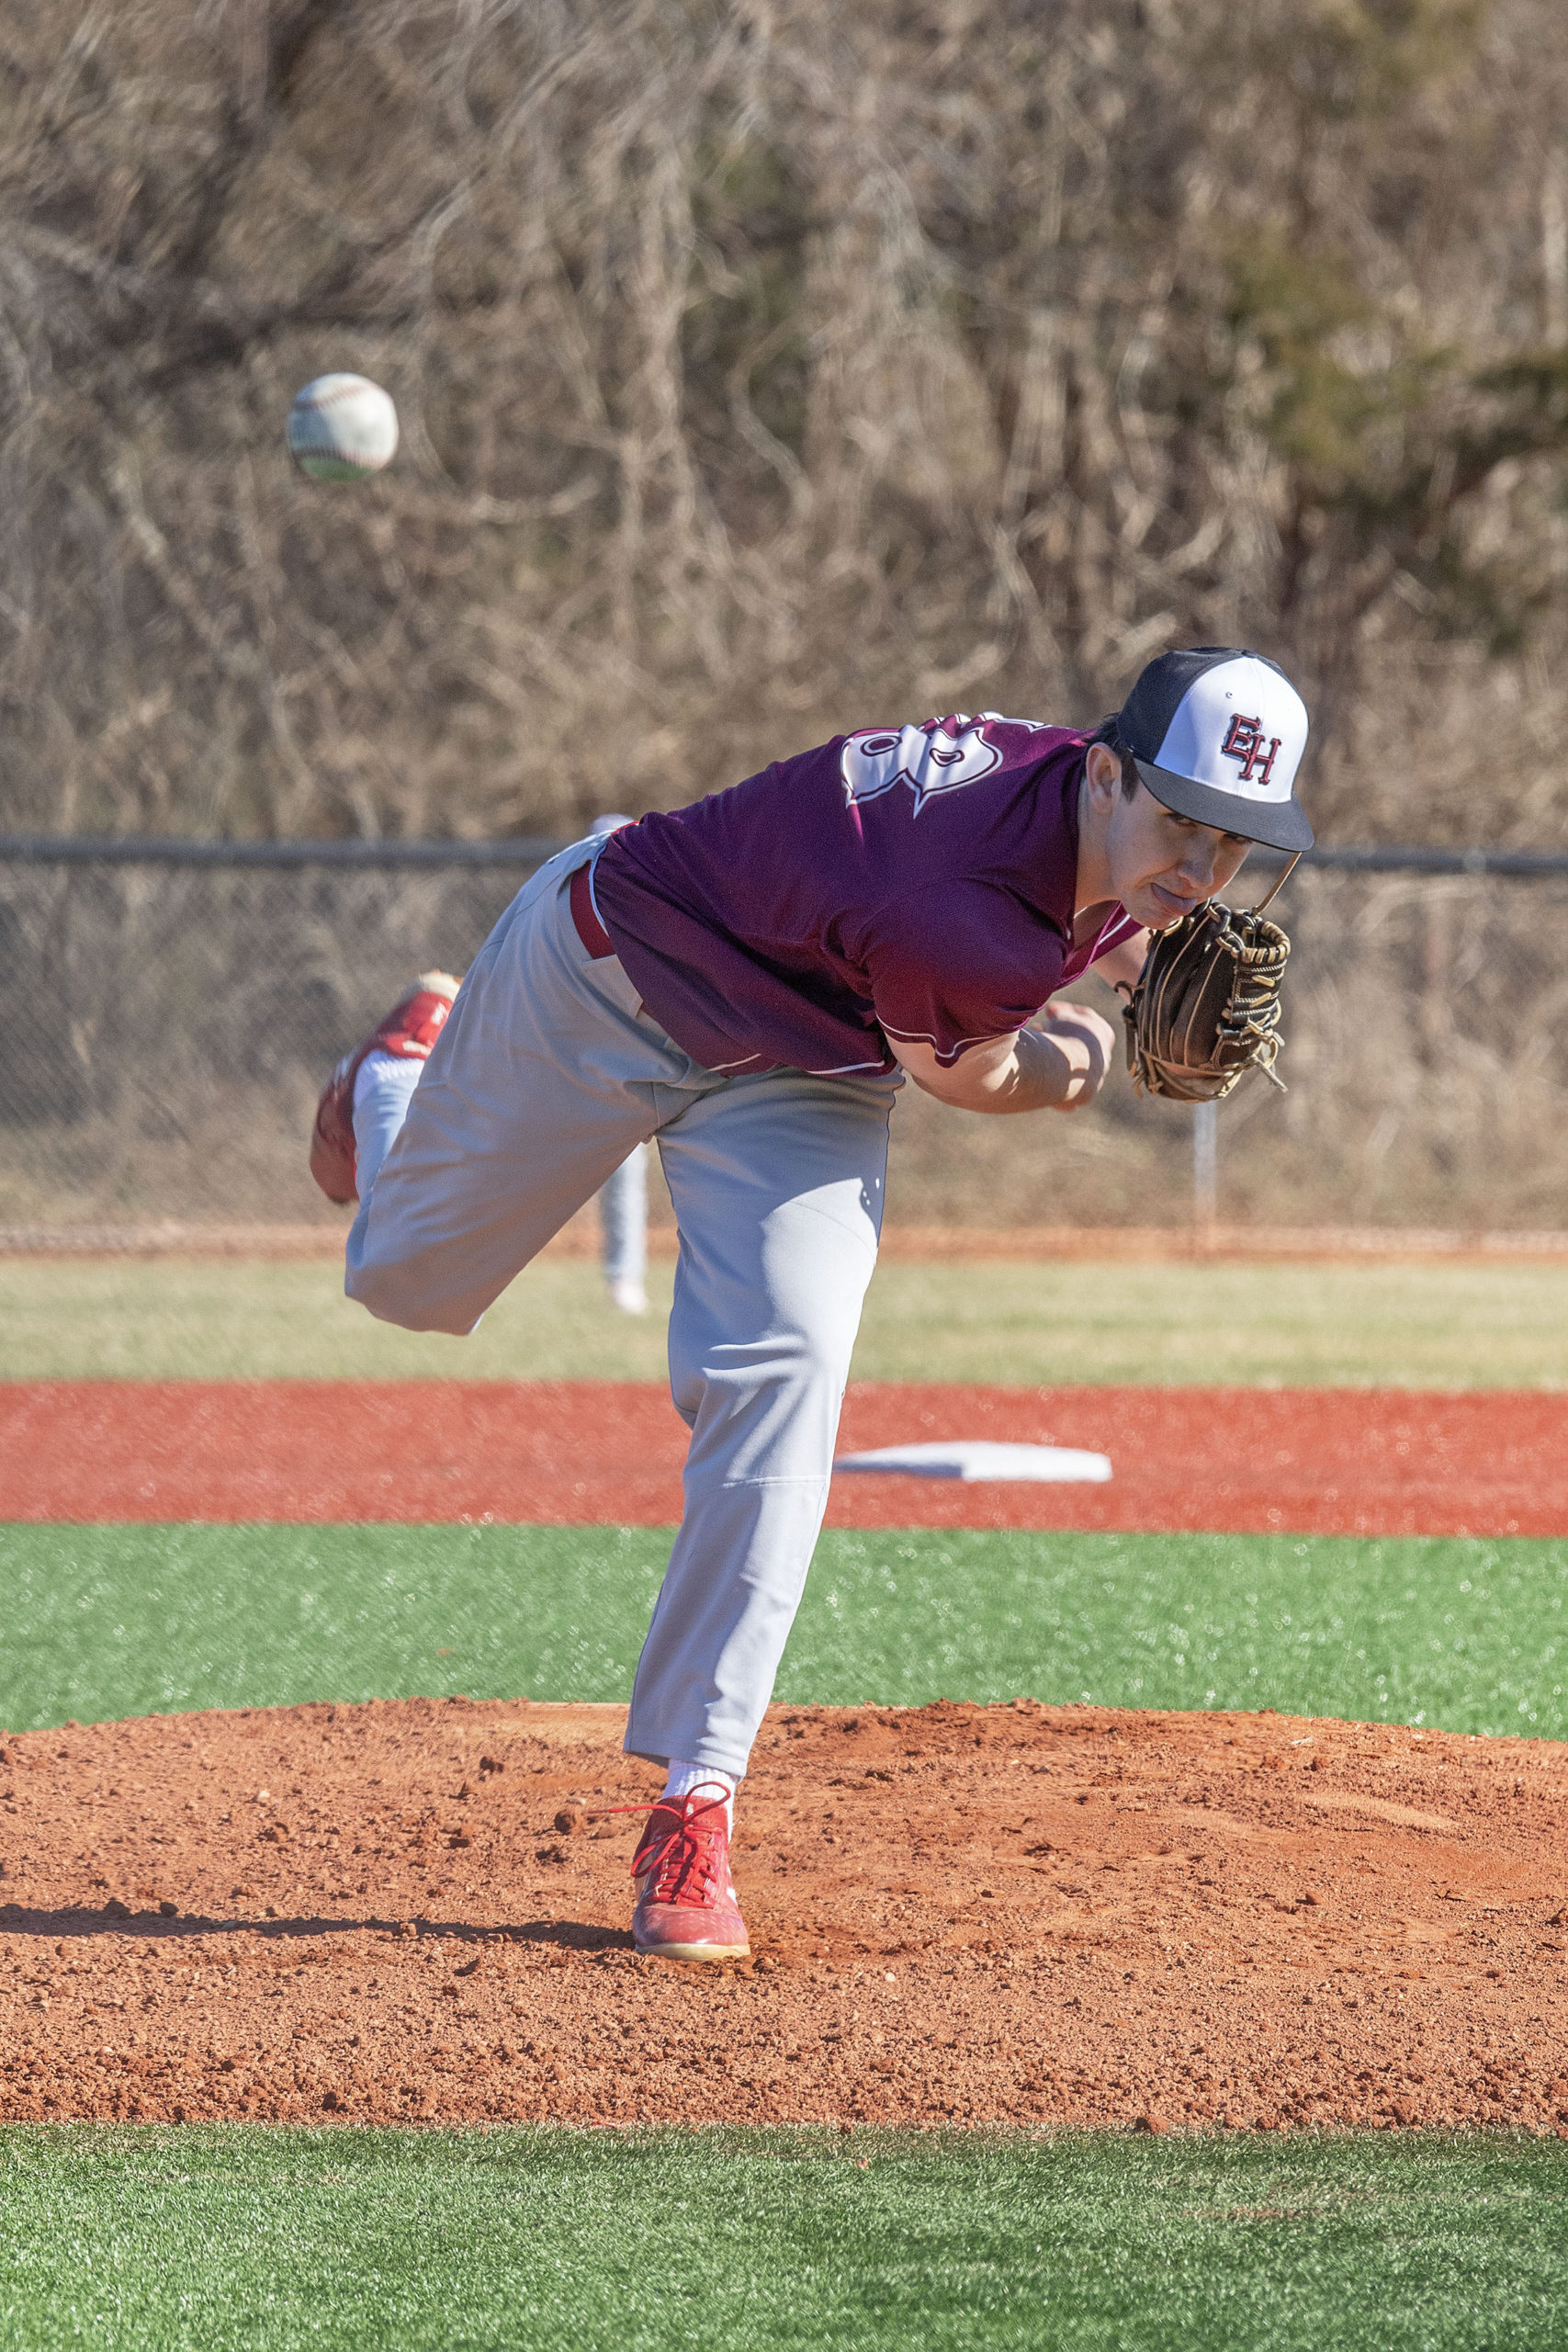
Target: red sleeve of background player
951	967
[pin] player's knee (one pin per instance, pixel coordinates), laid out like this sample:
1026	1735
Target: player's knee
402	1290
372	1287
410	1310
785	1370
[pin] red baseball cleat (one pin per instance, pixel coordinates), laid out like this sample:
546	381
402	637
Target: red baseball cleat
409	1030
686	1907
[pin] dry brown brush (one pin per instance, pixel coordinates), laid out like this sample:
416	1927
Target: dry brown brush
767	367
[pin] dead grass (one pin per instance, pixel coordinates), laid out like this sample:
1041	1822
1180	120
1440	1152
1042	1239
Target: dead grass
1434	1324
764	372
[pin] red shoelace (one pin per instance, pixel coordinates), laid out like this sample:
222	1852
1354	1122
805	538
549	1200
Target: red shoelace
682	1865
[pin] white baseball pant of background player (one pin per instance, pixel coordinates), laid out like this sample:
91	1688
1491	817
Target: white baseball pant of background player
623	1201
623	1224
547	1073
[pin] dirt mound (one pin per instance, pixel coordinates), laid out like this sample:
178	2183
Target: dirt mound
1014	1913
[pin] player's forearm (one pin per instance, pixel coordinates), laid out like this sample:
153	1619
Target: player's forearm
1056	1066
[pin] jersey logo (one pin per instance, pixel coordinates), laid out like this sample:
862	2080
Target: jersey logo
943	755
1245	742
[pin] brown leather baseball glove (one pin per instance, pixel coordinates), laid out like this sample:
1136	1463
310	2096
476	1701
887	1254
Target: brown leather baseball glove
1206	1007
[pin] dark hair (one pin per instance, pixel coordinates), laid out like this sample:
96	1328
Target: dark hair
1106	733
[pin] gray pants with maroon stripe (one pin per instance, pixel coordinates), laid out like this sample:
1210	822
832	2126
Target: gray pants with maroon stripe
545	1075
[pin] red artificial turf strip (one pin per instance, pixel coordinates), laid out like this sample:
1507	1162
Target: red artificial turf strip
1313	1461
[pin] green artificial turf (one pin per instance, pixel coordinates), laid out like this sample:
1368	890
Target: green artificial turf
1469	1635
159	2240
1434	1324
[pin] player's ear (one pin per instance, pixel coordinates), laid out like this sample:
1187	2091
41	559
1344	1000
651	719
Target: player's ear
1102	773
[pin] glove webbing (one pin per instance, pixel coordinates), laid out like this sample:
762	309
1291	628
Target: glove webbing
1215	1008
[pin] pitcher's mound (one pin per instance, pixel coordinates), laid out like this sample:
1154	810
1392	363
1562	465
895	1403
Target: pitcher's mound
1021	1914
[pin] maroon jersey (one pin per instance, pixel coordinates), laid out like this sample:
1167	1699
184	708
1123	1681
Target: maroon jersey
913	883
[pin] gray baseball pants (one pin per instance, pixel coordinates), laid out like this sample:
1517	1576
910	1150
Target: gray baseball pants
547	1073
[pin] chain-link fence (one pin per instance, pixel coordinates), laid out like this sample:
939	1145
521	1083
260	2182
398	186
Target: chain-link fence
171	1011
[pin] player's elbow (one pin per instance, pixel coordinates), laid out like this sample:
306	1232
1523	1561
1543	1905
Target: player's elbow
958	1093
979	1079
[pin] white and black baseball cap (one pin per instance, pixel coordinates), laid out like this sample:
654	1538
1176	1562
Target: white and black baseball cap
1217	734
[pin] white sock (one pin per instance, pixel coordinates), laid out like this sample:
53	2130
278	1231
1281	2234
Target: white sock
383	1089
685	1776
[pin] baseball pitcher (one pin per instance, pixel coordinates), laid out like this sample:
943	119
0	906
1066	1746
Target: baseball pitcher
746	983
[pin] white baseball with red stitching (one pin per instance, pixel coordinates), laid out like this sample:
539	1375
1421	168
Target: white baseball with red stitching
341	427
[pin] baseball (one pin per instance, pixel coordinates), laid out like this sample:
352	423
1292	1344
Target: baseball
341	427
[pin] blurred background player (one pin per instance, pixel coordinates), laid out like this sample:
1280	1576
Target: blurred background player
748	981
622	1232
623	1201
